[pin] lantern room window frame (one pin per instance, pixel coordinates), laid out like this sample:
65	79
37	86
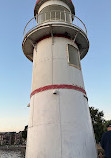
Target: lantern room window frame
68	54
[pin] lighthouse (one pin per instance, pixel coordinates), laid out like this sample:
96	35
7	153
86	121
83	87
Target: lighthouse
55	40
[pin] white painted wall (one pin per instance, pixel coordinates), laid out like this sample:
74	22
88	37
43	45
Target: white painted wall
54	2
59	125
50	64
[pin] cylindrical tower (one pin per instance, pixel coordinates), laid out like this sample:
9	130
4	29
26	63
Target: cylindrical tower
60	124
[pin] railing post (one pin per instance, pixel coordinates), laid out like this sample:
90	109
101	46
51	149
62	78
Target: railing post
70	17
60	16
50	16
65	15
77	23
55	15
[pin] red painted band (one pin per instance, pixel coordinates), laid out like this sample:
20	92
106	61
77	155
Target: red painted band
63	86
39	1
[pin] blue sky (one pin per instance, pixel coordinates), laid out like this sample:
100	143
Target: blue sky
16	70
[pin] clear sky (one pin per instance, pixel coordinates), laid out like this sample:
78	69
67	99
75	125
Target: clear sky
16	69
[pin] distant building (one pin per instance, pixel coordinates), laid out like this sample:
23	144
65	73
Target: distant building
1	138
18	138
9	138
12	138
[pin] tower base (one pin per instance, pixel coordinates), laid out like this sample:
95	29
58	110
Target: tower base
60	126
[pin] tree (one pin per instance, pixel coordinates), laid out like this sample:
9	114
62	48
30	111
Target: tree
24	133
106	122
98	122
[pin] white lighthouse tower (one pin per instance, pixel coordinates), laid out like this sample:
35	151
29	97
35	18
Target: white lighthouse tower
55	40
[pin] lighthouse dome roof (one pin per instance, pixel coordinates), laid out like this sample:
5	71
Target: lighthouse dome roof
40	2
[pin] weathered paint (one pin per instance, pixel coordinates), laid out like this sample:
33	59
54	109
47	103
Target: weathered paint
50	64
63	86
59	124
55	2
39	3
